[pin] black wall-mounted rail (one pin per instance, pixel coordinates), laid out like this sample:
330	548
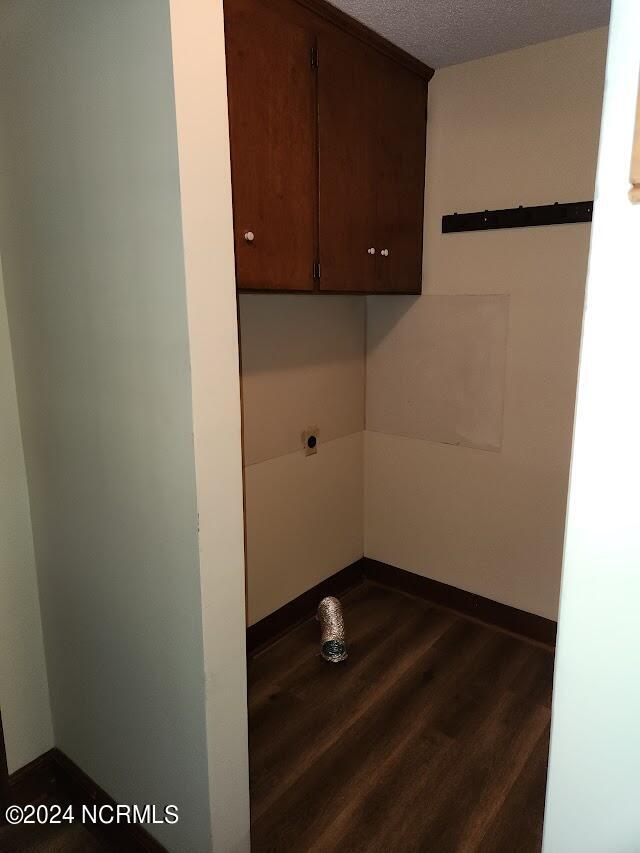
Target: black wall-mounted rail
519	217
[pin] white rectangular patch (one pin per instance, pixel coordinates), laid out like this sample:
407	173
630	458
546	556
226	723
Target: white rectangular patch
439	374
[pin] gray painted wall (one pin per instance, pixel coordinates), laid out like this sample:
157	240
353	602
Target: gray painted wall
24	694
90	237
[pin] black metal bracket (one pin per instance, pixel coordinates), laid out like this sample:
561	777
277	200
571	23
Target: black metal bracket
519	217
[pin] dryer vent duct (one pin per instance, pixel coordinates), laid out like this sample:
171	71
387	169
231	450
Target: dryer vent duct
333	646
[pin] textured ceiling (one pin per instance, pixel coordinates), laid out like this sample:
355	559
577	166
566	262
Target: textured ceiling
443	32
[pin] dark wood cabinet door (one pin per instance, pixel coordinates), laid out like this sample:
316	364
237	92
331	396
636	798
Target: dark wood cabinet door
402	104
272	117
347	126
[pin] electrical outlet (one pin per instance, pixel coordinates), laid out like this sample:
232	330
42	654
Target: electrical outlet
310	438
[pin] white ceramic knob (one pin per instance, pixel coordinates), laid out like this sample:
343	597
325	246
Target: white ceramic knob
249	236
384	252
371	251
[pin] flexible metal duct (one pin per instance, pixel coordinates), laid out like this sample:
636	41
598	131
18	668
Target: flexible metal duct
333	646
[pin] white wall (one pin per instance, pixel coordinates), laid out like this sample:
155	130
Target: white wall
592	794
24	694
205	189
91	241
517	128
304	521
303	366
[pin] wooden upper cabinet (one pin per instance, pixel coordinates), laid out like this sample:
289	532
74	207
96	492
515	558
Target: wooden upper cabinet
372	126
327	126
272	121
401	149
347	134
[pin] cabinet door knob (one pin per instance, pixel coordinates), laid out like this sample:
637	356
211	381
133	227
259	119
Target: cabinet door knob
371	251
384	252
249	236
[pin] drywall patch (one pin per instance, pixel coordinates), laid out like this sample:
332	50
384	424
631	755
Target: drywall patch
438	374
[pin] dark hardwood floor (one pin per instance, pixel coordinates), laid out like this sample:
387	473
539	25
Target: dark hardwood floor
432	736
45	839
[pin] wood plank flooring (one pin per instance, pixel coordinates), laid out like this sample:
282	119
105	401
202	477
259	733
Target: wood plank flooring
53	838
432	736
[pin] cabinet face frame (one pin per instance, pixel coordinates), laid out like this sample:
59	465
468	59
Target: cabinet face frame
327	23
